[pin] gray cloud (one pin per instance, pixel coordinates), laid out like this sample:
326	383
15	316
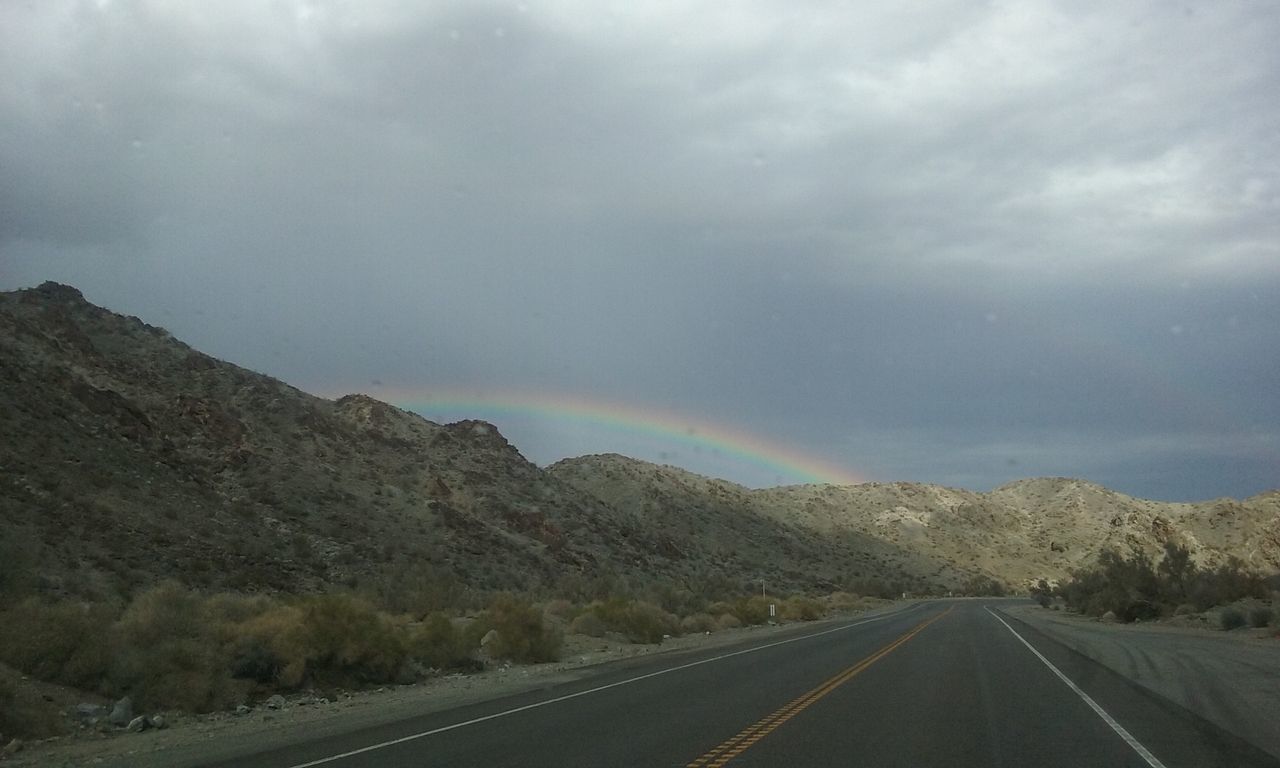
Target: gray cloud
911	238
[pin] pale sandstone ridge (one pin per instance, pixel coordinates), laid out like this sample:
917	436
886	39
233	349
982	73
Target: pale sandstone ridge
130	457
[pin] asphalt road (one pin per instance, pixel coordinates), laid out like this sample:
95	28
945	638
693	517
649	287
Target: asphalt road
945	683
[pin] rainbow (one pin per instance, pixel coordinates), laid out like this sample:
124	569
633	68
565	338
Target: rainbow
779	460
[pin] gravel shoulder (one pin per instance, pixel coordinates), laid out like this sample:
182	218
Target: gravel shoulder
1231	679
192	740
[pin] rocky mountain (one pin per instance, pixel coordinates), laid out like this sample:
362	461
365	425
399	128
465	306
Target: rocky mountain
1018	533
129	457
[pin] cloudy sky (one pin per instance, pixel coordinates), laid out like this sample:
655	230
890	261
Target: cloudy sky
954	242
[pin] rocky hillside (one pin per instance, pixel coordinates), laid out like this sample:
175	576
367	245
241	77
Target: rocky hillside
1020	532
129	457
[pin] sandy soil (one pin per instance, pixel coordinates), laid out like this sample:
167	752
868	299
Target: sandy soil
195	739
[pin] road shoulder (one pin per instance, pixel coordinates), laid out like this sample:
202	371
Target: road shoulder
1230	680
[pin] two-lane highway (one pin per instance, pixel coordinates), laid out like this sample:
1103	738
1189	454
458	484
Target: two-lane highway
948	683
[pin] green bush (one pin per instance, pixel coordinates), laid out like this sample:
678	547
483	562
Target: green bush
1231	619
522	635
1260	617
1132	589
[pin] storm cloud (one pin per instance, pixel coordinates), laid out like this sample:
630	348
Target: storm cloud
944	242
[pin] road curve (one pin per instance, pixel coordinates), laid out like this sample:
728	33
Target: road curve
948	683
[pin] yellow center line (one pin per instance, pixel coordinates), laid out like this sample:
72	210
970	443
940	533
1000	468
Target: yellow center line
743	740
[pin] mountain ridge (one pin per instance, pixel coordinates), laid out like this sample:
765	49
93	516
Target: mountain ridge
131	457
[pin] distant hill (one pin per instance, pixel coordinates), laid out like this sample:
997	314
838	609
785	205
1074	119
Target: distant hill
129	457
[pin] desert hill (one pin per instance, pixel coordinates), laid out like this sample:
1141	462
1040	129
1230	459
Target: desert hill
130	457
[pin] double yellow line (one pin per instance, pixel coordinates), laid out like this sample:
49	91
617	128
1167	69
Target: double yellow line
747	737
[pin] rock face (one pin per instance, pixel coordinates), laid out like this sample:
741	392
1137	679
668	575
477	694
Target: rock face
129	458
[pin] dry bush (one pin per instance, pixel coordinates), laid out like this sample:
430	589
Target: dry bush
637	620
698	622
167	653
751	610
343	637
58	642
588	624
1260	617
439	644
800	608
266	647
727	621
522	636
561	609
844	601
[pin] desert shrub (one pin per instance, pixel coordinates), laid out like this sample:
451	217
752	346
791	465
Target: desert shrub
167	653
267	647
978	586
1126	587
343	637
675	599
1231	619
800	608
588	624
698	622
438	643
1227	583
521	634
561	609
1042	593
751	610
419	589
639	621
844	601
727	621
58	642
1260	617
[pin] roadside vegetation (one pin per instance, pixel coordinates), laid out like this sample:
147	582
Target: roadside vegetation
1134	589
173	648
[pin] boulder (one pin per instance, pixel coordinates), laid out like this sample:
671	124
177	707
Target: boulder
243	709
275	702
489	637
1109	617
157	722
138	724
13	747
122	712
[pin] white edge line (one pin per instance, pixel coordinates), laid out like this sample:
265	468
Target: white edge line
597	689
1102	713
